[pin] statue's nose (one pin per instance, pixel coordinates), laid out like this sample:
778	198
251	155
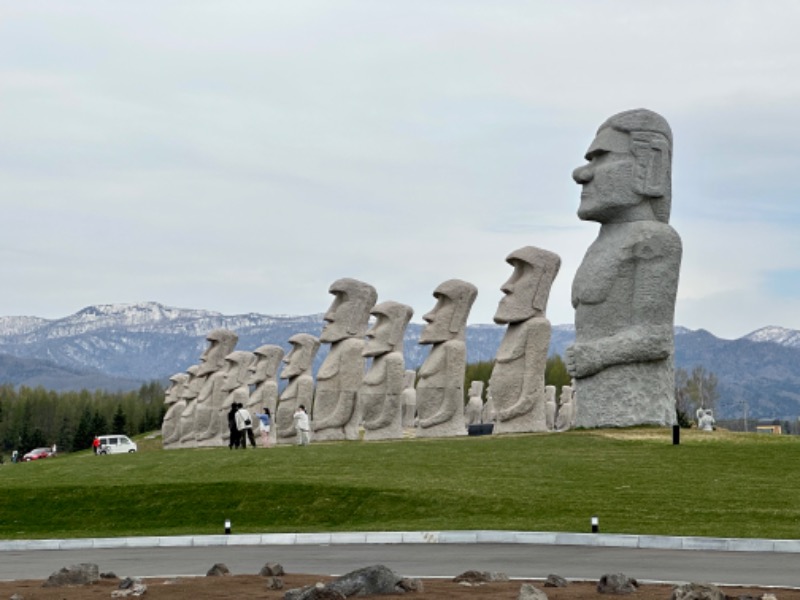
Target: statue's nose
583	174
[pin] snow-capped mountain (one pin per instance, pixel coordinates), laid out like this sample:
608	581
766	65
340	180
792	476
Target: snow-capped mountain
119	346
776	335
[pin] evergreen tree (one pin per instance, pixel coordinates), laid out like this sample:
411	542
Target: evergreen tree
84	435
99	424
120	422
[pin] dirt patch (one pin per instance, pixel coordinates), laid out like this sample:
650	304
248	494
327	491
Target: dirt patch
253	586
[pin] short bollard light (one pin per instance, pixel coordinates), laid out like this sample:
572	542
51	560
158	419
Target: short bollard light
595	524
227	526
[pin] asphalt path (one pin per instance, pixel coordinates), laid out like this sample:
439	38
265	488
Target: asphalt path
425	560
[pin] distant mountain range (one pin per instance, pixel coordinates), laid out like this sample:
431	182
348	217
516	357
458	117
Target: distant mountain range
120	346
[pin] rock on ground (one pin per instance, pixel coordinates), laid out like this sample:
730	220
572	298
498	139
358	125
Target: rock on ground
528	591
616	583
697	591
218	570
81	574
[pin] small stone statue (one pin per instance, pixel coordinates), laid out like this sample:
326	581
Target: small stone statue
566	409
550	406
380	395
339	377
488	415
171	426
518	374
300	387
624	290
473	412
706	422
263	373
208	425
440	391
409	398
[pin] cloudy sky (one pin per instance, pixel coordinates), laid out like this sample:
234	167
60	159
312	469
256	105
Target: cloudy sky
241	155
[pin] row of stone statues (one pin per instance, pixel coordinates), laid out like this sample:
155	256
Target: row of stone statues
621	363
346	398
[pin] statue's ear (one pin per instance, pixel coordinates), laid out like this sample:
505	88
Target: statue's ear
652	164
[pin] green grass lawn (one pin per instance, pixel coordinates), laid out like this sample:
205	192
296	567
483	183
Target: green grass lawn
635	481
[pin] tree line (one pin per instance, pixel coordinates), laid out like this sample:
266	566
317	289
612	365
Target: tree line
36	417
555	374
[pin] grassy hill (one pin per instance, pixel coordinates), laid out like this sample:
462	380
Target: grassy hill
712	484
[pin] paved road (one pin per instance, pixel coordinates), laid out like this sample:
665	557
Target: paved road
430	560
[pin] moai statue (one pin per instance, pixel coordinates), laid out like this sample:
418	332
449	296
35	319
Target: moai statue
550	406
440	391
566	409
473	411
409	398
209	422
171	426
334	416
707	421
234	385
263	374
518	374
624	290
380	396
300	387
488	415
189	394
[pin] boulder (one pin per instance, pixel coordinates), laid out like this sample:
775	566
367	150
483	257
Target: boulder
218	570
479	577
616	583
272	570
81	574
555	581
135	589
109	575
368	581
697	591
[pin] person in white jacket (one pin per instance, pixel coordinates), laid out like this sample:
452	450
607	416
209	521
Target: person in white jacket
302	425
244	423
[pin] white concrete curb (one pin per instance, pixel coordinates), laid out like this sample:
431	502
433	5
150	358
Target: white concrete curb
416	537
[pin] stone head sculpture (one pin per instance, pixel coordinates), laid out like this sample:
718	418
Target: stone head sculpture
175	389
237	366
476	389
268	359
221	342
348	316
386	335
448	319
628	176
192	385
528	288
301	356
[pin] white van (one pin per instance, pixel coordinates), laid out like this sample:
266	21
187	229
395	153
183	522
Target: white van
116	444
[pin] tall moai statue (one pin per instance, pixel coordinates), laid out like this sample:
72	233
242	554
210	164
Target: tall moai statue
208	425
473	411
300	385
380	396
550	406
263	373
409	398
334	416
440	390
171	425
234	384
191	389
624	290
518	375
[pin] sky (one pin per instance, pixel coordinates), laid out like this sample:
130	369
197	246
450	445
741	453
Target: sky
239	155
